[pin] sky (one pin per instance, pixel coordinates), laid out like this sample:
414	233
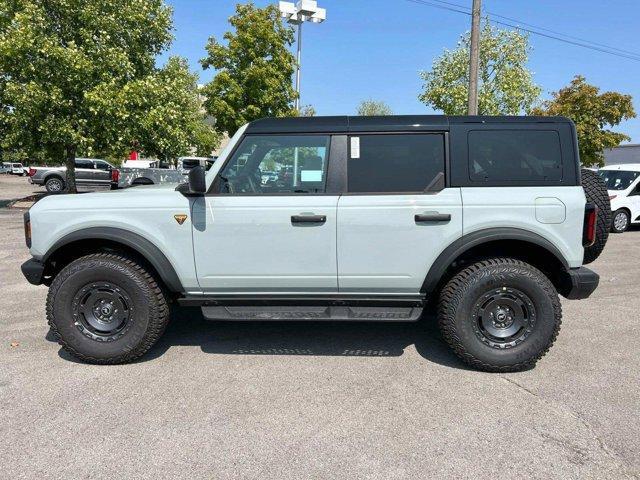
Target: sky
376	49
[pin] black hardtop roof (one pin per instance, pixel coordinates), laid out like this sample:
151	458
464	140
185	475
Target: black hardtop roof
389	123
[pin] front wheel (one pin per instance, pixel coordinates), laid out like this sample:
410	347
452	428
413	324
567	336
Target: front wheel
621	221
500	315
106	309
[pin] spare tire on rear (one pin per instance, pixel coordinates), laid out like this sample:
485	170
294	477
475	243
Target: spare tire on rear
596	192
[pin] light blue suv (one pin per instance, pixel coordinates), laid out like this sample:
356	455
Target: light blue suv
337	218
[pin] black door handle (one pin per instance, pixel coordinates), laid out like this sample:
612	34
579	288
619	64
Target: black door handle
308	218
432	217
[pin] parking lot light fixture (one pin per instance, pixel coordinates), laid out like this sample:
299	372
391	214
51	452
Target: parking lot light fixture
297	14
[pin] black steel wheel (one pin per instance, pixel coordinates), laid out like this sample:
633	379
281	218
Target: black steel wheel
504	317
102	311
500	314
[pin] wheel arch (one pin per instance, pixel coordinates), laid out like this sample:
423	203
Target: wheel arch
98	239
503	242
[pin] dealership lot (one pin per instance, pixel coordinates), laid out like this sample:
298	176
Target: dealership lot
319	400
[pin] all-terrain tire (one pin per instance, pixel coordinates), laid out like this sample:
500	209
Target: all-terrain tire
467	293
596	192
78	292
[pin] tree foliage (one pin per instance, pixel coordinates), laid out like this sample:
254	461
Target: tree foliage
63	60
254	69
307	111
505	85
373	107
593	113
163	111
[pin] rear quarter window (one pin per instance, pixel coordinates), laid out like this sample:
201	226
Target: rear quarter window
514	156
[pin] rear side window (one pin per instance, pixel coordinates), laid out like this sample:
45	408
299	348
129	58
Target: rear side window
514	155
394	163
88	164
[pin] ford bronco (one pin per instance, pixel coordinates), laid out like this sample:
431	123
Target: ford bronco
488	219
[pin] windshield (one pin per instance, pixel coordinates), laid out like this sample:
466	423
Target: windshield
618	179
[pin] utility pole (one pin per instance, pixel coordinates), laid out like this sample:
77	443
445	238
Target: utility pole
473	58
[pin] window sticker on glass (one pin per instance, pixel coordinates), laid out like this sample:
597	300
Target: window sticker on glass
355	147
311	176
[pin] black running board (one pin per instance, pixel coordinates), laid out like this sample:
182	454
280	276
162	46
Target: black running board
298	313
339	308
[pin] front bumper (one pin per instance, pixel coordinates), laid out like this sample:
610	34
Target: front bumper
579	283
33	271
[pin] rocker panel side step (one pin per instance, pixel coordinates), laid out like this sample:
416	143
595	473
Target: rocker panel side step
313	313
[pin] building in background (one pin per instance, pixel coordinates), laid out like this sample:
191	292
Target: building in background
628	153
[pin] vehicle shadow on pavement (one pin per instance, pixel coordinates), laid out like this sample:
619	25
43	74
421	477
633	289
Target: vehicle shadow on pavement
358	339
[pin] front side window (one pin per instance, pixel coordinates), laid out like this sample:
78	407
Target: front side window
514	155
618	179
265	164
394	162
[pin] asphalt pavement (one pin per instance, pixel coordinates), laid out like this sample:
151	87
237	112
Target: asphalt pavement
226	400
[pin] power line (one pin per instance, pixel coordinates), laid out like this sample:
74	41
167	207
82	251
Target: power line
568	39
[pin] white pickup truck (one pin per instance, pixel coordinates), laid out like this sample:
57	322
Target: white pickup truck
364	218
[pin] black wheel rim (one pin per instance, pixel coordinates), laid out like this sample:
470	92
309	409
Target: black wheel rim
102	311
503	317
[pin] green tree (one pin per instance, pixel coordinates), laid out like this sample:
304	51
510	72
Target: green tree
254	69
505	85
373	107
164	112
307	111
64	61
593	113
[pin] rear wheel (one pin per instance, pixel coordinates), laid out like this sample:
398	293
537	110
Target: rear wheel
500	315
621	221
106	309
54	185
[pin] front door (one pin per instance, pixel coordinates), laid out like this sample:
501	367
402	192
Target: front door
396	216
270	228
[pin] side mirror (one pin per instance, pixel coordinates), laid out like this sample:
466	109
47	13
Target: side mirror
197	180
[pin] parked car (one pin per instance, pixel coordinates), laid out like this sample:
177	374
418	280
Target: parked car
90	172
185	164
147	172
6	167
623	184
489	218
17	169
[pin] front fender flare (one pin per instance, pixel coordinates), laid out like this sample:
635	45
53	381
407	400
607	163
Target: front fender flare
141	245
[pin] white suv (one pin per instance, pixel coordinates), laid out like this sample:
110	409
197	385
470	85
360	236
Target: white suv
363	218
623	184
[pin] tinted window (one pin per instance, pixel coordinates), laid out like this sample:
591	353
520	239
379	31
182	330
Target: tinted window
618	179
514	155
394	163
277	164
84	164
100	165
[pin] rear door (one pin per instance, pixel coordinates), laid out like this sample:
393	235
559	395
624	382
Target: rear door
397	214
102	172
85	172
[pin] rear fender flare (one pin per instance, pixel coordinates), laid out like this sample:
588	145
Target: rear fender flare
467	242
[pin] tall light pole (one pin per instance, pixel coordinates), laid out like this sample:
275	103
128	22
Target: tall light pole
473	58
297	14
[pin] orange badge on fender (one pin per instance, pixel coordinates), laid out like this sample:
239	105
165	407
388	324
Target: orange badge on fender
180	218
